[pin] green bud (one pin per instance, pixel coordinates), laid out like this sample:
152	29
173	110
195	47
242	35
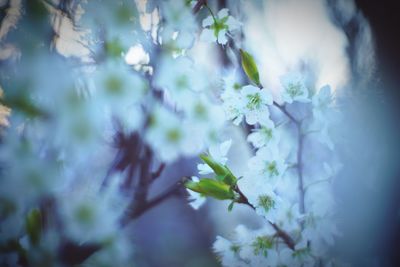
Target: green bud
222	172
33	225
228	178
250	68
211	188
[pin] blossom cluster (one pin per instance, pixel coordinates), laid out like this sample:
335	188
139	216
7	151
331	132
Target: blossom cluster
283	181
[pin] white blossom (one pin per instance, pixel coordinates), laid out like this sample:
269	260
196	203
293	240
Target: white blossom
166	134
294	88
256	103
217	28
265	135
268	162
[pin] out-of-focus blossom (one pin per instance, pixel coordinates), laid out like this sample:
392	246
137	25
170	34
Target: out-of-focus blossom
217	28
294	88
179	25
265	135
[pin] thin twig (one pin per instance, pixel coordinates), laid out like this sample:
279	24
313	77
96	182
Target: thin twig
158	172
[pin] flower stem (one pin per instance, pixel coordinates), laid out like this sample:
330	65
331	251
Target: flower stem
212	13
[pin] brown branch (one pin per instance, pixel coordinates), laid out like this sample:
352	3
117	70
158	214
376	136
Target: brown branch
199	5
138	210
158	172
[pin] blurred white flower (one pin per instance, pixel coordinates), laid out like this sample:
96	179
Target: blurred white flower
319	229
265	135
179	79
217	28
322	102
294	88
166	134
90	216
179	25
269	163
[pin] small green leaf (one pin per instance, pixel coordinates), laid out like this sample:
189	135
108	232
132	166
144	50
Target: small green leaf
33	225
250	68
230	207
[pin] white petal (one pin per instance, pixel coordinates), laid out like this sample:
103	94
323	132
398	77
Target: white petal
204	169
249	90
195	199
325	92
266	96
232	23
208	21
225	147
207	35
238	120
252	117
222	37
223	13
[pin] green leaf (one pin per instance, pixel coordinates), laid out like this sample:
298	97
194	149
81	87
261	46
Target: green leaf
212	188
230	207
250	68
33	225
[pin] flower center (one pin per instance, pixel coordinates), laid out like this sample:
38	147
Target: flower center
219	24
173	135
267	132
114	85
272	169
254	101
182	82
266	202
294	89
261	245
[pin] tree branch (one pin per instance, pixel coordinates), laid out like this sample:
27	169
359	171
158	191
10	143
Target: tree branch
139	210
199	5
